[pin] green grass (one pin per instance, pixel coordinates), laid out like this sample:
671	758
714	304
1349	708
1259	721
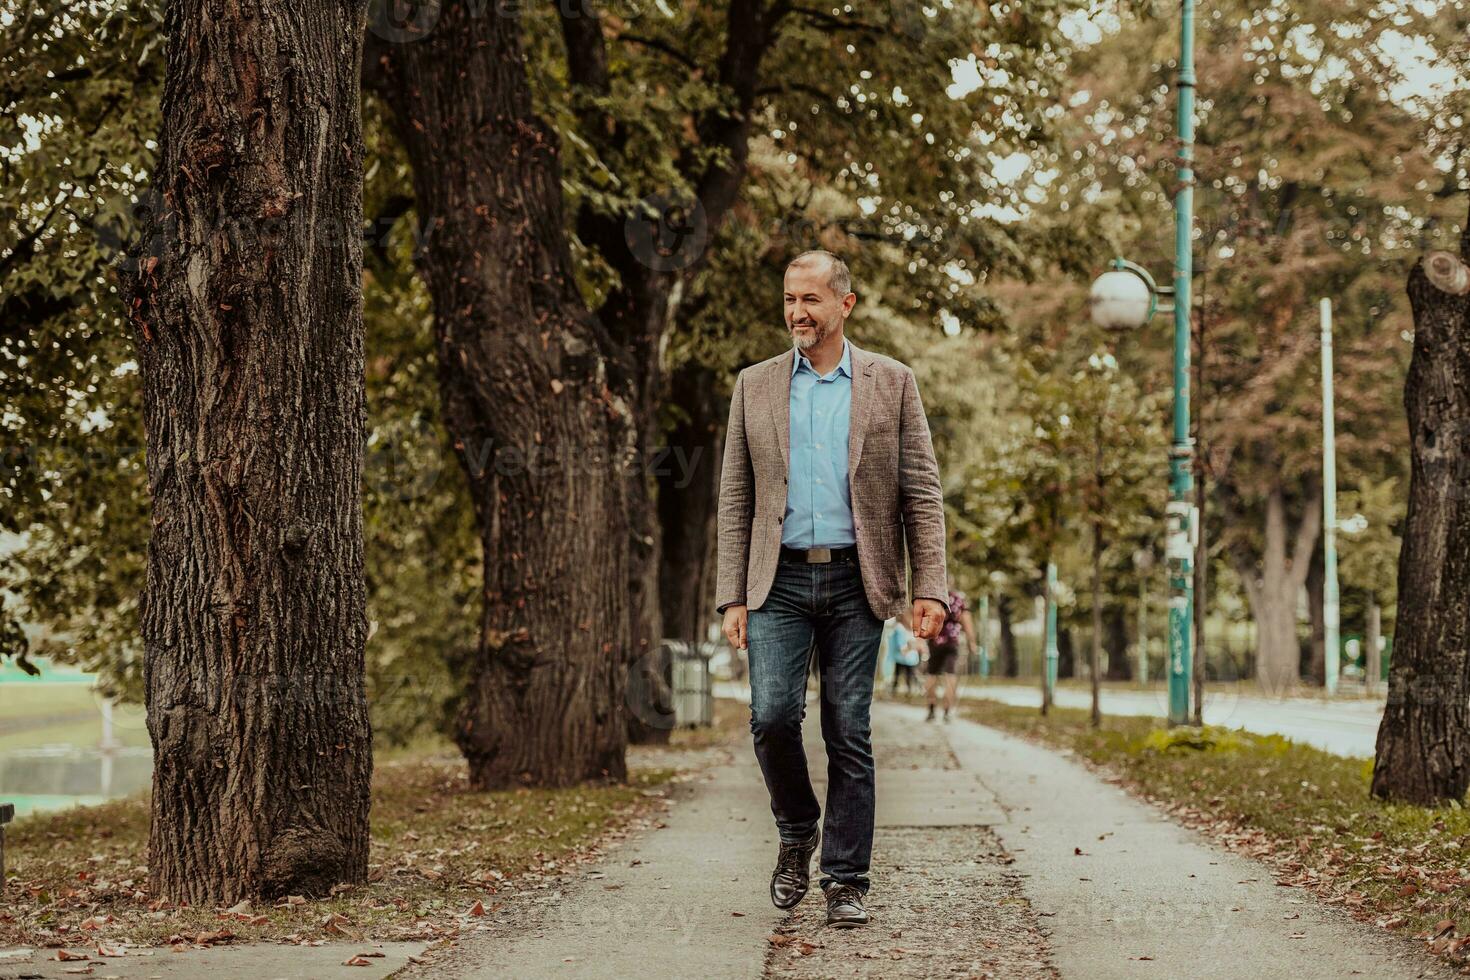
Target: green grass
437	849
1307	812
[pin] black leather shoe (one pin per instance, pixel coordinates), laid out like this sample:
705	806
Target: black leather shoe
792	877
845	907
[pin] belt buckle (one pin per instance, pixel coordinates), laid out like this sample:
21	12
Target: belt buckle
819	556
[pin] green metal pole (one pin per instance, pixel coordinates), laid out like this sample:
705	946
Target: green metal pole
1050	668
1180	549
985	636
1331	611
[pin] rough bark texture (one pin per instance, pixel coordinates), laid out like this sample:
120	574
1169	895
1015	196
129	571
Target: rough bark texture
247	312
1273	591
1423	753
532	394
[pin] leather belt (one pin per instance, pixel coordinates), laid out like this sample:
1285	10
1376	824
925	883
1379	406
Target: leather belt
819	556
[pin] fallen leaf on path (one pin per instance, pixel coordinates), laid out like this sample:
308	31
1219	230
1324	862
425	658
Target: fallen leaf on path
478	909
355	961
66	955
737	914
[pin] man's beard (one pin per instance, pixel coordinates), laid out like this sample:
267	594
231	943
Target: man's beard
808	340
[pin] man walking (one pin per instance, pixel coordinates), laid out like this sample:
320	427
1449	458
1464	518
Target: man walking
828	473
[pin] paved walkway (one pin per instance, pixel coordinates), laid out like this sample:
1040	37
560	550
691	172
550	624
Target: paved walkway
266	961
993	857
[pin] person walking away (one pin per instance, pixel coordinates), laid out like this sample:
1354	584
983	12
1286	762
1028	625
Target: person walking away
903	654
828	478
944	654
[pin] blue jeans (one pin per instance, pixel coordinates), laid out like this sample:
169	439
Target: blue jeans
822	607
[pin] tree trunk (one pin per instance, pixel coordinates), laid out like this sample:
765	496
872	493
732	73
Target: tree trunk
1423	753
246	305
1201	586
1115	642
687	470
533	395
1273	596
1372	659
1095	655
688	498
1066	652
1314	663
1009	667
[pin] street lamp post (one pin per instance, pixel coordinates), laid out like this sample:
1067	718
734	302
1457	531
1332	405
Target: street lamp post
1181	463
1127	298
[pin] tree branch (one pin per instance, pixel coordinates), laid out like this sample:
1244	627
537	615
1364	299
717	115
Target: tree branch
654	44
581	29
837	23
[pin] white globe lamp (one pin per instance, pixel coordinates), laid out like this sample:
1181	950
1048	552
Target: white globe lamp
1121	299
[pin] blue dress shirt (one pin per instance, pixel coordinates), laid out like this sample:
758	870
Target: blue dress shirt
818	504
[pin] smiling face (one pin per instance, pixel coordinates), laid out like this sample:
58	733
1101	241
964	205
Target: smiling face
814	311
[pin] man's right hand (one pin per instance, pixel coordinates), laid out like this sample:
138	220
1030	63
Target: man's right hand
734	628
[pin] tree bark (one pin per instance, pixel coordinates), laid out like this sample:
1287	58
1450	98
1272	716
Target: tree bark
1115	641
1009	667
1423	752
246	306
534	395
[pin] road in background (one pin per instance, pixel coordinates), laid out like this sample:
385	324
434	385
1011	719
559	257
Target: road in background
1346	728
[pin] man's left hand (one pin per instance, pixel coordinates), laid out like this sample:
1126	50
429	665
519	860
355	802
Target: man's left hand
928	618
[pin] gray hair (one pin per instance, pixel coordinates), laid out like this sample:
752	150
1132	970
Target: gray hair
839	279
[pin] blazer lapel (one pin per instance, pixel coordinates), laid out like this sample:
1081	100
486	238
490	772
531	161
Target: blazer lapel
862	397
779	388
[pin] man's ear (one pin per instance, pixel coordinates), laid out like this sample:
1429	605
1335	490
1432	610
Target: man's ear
848	302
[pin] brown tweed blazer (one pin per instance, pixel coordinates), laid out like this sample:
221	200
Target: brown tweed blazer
892	477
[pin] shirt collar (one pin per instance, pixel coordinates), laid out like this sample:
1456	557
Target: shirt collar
844	365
